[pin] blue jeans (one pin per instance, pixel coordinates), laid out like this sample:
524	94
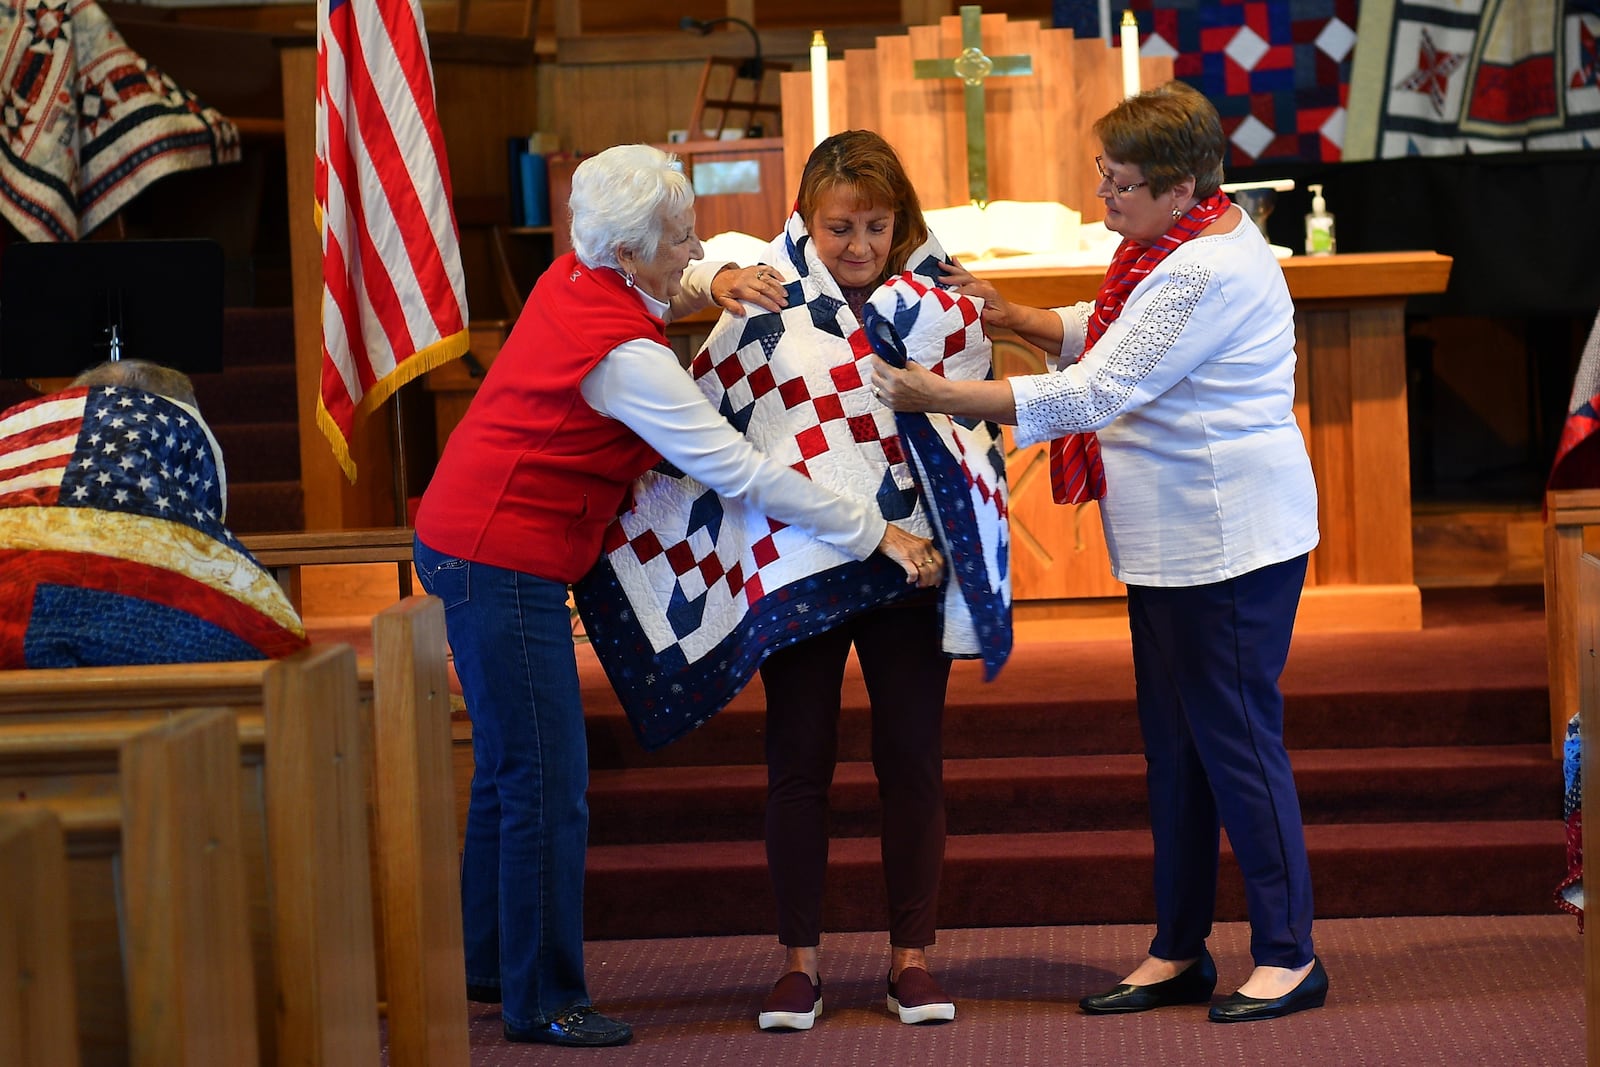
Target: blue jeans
528	818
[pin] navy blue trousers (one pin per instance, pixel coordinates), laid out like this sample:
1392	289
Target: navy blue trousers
1206	663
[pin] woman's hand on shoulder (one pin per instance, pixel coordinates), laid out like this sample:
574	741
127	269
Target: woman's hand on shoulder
734	286
997	310
917	556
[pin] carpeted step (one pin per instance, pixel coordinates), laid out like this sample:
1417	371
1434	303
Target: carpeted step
1047	879
253	393
254	336
266	507
1039	718
1035	794
259	451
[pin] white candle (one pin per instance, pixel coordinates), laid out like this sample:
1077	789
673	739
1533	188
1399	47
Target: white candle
819	87
1130	54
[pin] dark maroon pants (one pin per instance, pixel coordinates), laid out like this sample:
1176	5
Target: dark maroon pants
906	676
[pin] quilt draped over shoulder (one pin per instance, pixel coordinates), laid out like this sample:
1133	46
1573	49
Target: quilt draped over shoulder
693	591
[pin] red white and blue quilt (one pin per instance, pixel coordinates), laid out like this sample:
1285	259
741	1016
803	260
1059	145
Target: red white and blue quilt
1331	80
693	591
1475	76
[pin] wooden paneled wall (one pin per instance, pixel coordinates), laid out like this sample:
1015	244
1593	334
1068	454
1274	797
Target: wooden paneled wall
650	16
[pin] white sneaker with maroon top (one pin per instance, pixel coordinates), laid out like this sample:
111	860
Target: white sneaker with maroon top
794	1003
917	998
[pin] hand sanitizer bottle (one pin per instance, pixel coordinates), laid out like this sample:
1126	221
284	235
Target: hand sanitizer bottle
1319	226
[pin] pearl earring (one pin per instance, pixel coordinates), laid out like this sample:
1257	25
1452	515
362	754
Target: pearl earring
1176	214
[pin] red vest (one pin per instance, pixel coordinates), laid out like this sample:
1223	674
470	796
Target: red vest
532	475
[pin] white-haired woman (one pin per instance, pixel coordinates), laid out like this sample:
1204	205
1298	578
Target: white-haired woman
584	397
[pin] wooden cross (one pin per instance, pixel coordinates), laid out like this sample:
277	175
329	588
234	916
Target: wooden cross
973	67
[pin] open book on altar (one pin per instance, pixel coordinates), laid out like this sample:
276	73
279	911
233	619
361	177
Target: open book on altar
1086	245
1004	228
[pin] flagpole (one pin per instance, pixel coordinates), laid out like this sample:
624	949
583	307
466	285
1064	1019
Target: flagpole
402	481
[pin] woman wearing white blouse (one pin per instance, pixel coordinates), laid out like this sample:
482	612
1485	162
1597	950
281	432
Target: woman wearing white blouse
1183	369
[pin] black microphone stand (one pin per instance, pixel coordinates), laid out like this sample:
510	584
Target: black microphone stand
751	68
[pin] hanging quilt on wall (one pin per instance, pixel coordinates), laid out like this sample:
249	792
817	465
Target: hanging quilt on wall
1278	71
1474	77
88	123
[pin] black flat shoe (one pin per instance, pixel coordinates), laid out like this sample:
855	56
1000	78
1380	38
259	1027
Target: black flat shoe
579	1028
1193	985
1310	993
483	994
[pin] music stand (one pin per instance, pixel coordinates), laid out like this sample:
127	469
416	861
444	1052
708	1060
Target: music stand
69	306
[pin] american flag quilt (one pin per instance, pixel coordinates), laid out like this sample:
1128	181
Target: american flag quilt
112	544
88	123
692	591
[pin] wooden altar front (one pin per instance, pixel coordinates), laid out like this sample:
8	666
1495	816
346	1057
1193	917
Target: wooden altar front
1350	389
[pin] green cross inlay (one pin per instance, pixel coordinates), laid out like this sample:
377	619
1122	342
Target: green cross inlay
973	68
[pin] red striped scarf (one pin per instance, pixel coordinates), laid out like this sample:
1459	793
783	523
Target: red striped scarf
1077	474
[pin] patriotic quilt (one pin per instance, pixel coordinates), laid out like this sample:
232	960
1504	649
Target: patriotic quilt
692	591
1278	71
88	124
112	545
1475	76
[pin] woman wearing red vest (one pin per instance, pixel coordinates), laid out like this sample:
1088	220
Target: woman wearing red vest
1183	366
584	397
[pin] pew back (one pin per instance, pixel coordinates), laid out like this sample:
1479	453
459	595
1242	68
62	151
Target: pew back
38	1004
403	745
155	893
305	841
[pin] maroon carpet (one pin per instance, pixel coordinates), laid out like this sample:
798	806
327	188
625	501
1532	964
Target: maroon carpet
1450	990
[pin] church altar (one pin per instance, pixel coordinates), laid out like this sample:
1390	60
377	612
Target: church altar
982	107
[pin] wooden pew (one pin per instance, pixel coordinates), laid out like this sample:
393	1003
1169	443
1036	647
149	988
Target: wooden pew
419	862
155	873
38	1004
305	842
286	554
414	856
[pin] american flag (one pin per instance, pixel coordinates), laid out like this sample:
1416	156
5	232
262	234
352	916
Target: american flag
113	547
394	302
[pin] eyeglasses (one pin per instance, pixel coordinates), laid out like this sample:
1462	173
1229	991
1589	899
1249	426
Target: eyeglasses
1120	190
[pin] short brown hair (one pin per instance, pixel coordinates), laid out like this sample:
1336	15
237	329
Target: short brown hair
141	374
1170	133
864	161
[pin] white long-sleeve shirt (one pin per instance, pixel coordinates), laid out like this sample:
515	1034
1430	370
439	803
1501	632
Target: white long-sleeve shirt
641	384
1191	389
